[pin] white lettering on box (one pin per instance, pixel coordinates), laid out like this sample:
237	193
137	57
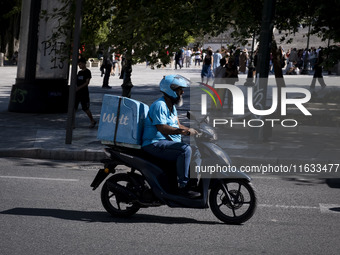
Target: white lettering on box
111	118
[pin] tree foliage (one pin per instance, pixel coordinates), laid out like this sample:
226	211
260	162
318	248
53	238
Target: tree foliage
9	23
244	17
153	28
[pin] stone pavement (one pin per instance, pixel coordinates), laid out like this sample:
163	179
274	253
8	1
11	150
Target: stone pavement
43	135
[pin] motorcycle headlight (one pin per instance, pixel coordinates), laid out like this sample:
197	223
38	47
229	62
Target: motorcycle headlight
209	132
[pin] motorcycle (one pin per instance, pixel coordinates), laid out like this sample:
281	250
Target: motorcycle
150	182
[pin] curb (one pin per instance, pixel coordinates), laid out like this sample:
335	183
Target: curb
97	155
85	155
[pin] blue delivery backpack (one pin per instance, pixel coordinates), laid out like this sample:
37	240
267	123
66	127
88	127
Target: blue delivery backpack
122	121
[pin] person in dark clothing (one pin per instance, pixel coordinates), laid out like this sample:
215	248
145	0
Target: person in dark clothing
82	92
207	66
107	65
178	59
126	76
318	73
232	78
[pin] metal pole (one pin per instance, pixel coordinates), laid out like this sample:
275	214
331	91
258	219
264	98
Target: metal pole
75	52
32	42
262	68
305	70
308	34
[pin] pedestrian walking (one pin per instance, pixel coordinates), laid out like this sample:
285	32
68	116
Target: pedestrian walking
292	57
188	54
198	57
178	59
232	78
82	92
107	66
116	61
312	58
318	73
217	59
243	61
207	66
220	75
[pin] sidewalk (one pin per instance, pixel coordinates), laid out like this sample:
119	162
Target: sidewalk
43	135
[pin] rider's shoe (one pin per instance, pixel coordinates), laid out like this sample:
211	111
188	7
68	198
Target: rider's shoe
186	192
192	183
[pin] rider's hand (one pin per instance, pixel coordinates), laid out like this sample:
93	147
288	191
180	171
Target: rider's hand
191	131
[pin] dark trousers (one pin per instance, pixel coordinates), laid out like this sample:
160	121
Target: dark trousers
107	75
320	80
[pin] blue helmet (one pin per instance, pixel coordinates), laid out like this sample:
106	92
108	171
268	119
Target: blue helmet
170	83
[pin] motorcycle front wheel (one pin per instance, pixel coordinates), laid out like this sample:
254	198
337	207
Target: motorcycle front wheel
118	205
233	201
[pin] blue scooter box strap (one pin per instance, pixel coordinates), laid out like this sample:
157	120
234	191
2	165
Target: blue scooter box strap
118	115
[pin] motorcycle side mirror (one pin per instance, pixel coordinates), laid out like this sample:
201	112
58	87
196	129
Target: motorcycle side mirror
190	116
206	119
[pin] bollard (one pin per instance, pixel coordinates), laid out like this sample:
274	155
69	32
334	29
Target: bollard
2	56
88	64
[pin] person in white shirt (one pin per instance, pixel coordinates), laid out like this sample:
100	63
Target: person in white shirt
188	54
217	59
198	57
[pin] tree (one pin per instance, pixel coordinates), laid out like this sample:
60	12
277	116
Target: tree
153	29
143	30
9	24
96	25
289	15
326	26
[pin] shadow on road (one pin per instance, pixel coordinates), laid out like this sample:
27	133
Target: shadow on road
333	183
86	216
335	209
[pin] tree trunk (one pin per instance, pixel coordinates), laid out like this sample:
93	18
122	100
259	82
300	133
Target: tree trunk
277	57
280	82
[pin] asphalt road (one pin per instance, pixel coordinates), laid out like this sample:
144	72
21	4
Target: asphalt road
48	207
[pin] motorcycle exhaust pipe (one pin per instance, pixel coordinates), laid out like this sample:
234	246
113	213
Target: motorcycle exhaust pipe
121	190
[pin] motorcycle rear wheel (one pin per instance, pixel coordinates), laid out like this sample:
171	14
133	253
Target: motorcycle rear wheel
117	204
242	205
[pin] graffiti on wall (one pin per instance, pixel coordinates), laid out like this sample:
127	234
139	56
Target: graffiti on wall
18	95
54	50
